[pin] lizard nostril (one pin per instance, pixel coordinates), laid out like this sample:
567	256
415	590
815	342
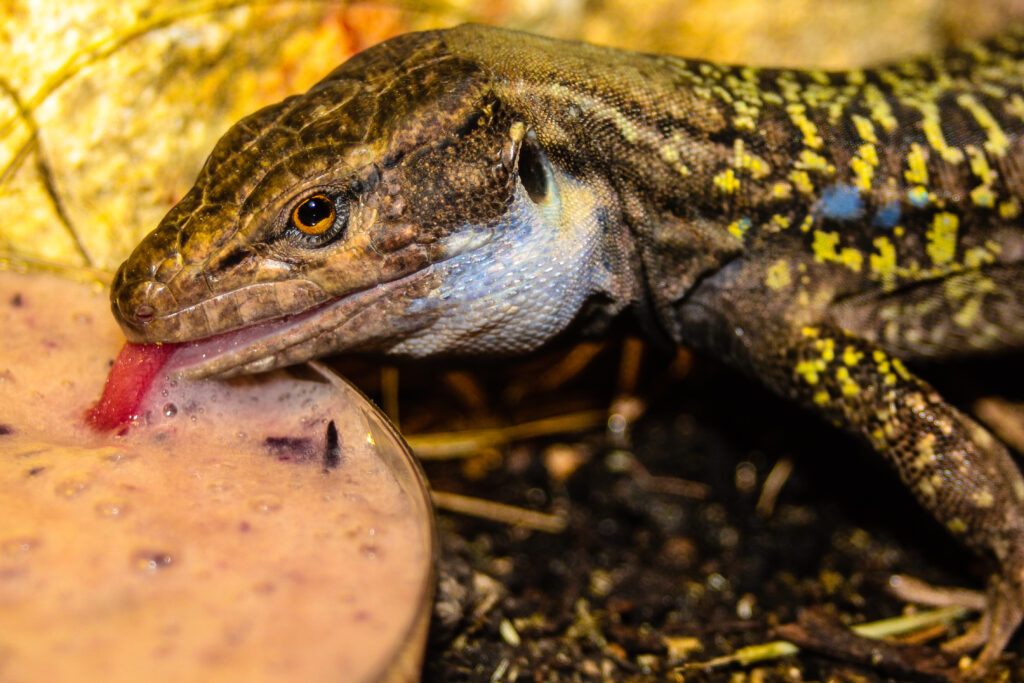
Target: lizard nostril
144	313
138	306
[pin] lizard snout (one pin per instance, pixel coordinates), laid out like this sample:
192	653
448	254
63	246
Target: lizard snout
137	303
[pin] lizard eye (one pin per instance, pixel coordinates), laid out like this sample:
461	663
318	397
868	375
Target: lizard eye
534	172
317	219
315	215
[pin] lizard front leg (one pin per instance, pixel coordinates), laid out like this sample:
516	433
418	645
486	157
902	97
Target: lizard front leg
960	473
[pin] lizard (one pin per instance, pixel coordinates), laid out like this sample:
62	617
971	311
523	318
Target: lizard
479	191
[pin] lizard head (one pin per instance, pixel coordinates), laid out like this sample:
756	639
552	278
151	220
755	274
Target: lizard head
399	206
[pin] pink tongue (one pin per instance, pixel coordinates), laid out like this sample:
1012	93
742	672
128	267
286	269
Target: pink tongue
136	367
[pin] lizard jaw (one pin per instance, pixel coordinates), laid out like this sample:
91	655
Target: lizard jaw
362	320
219	354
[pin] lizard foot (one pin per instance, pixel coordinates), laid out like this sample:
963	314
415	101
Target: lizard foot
999	621
1001	607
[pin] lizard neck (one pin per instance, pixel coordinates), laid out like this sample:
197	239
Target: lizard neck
647	123
634	130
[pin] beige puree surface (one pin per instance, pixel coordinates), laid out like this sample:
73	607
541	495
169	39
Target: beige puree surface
193	548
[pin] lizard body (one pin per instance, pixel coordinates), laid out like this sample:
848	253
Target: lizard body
476	191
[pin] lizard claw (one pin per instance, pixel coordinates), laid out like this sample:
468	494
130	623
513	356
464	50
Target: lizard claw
974	638
910	589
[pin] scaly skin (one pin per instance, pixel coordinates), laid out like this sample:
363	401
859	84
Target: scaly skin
489	188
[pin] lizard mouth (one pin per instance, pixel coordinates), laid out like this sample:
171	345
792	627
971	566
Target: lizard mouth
355	321
219	352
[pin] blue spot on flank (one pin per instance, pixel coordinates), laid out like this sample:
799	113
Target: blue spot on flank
841	203
888	216
918	196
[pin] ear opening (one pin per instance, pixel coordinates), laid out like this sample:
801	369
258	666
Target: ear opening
534	171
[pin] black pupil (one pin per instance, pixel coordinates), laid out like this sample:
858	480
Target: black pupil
314	210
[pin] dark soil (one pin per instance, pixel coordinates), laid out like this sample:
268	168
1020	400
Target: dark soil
647	579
